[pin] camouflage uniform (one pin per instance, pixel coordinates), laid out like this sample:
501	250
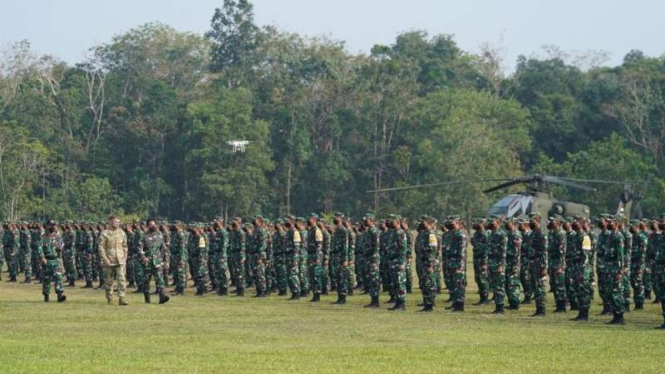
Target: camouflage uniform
396	253
280	260
480	242
25	252
314	260
659	274
49	252
326	265
259	258
456	263
615	262
557	266
113	251
237	256
340	259
10	243
539	265
179	257
372	257
304	270
496	259
220	261
628	250
573	264
650	282
69	254
513	253
637	267
200	253
150	254
139	273
350	269
427	252
580	259
35	243
87	250
292	243
604	288
525	265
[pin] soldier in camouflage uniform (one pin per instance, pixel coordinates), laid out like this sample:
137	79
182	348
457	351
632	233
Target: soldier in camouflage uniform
650	276
280	260
427	253
513	259
638	262
372	257
259	257
200	252
580	258
48	256
604	288
131	282
326	265
396	255
166	254
385	264
409	255
480	242
628	250
36	233
314	256
220	258
87	249
237	255
69	253
10	243
150	250
659	271
304	270
615	270
539	262
292	243
525	261
360	268
340	258
456	263
351	273
139	274
496	259
25	252
572	264
557	262
179	256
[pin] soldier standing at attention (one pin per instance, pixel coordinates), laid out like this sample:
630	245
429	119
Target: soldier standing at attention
87	250
238	256
325	264
525	261
150	254
409	255
638	262
427	253
179	252
304	271
604	288
373	261
340	258
351	272
220	259
49	252
69	253
456	263
292	244
314	256
279	257
496	259
480	243
113	252
25	252
513	253
260	257
557	263
581	260
539	263
10	250
615	270
396	252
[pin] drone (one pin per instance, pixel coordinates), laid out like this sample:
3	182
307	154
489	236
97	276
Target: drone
238	145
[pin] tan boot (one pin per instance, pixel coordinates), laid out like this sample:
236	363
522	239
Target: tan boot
109	300
123	302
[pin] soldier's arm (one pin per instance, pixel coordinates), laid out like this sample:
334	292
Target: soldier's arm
101	248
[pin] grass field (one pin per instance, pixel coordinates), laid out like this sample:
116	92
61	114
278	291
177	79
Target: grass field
230	335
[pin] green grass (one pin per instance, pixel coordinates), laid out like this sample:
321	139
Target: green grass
229	335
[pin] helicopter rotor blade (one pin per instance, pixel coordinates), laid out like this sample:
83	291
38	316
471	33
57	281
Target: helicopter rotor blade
507	184
594	181
435	185
567	183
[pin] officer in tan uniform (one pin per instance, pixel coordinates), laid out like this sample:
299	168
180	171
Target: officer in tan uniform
113	252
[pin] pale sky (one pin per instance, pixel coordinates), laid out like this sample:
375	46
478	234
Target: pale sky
67	28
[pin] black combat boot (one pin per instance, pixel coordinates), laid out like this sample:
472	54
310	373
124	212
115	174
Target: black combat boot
574	306
540	311
163	298
282	293
627	304
498	309
560	307
72	282
240	291
391	300
12	279
585	315
341	300
647	295
527	300
46	298
514	307
61	297
483	300
399	305
303	293
199	292
458	307
350	293
617	320
374	303
639	305
316	298
222	292
261	294
178	291
146	297
295	296
88	284
606	310
27	280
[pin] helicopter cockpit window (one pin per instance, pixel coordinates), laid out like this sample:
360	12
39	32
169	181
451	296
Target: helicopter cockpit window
501	207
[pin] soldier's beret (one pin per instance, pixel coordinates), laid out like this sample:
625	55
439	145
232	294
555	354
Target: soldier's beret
313	215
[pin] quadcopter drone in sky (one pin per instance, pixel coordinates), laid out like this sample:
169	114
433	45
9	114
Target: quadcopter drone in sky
238	145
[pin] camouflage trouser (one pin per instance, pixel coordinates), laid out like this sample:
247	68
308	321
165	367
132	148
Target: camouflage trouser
238	270
139	273
448	278
604	288
373	280
36	266
626	286
303	270
152	271
637	282
249	271
111	273
334	272
428	284
558	273
497	284
398	278
420	272
69	262
220	266
130	271
259	271
538	284
584	289
12	262
572	284
281	274
180	270
271	275
352	274
79	263
25	256
315	273
648	277
438	278
360	269
166	266
617	299
409	277
458	284
483	281
97	272
52	272
325	274
86	262
343	280
202	277
293	273
513	285
525	279
384	271
658	271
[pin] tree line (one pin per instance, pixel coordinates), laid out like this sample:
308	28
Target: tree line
140	126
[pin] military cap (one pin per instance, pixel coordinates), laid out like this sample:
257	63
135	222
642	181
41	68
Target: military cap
258	216
313	215
369	216
300	219
339	214
495	217
249	226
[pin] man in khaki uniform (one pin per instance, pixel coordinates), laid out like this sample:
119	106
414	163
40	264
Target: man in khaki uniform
113	252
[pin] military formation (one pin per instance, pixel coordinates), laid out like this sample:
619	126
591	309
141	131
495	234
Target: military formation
514	260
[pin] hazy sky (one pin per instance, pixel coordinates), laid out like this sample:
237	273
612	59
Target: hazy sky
67	28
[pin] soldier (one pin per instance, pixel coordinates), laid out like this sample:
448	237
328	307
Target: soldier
179	257
513	253
557	262
326	265
456	263
360	268
480	242
409	255
628	249
259	256
525	261
654	243
638	262
36	233
581	261
604	288
496	259
340	258
48	256
572	264
200	252
383	254
422	251
314	256
25	252
539	262
113	251
659	272
87	249
250	264
280	258
396	253
69	253
373	260
10	243
166	254
304	270
292	243
614	272
139	275
427	253
237	256
150	255
220	258
352	255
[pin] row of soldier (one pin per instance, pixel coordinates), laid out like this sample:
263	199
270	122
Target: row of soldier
309	255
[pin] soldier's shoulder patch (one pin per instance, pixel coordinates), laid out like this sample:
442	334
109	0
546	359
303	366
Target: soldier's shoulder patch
202	242
318	235
296	237
586	243
432	240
